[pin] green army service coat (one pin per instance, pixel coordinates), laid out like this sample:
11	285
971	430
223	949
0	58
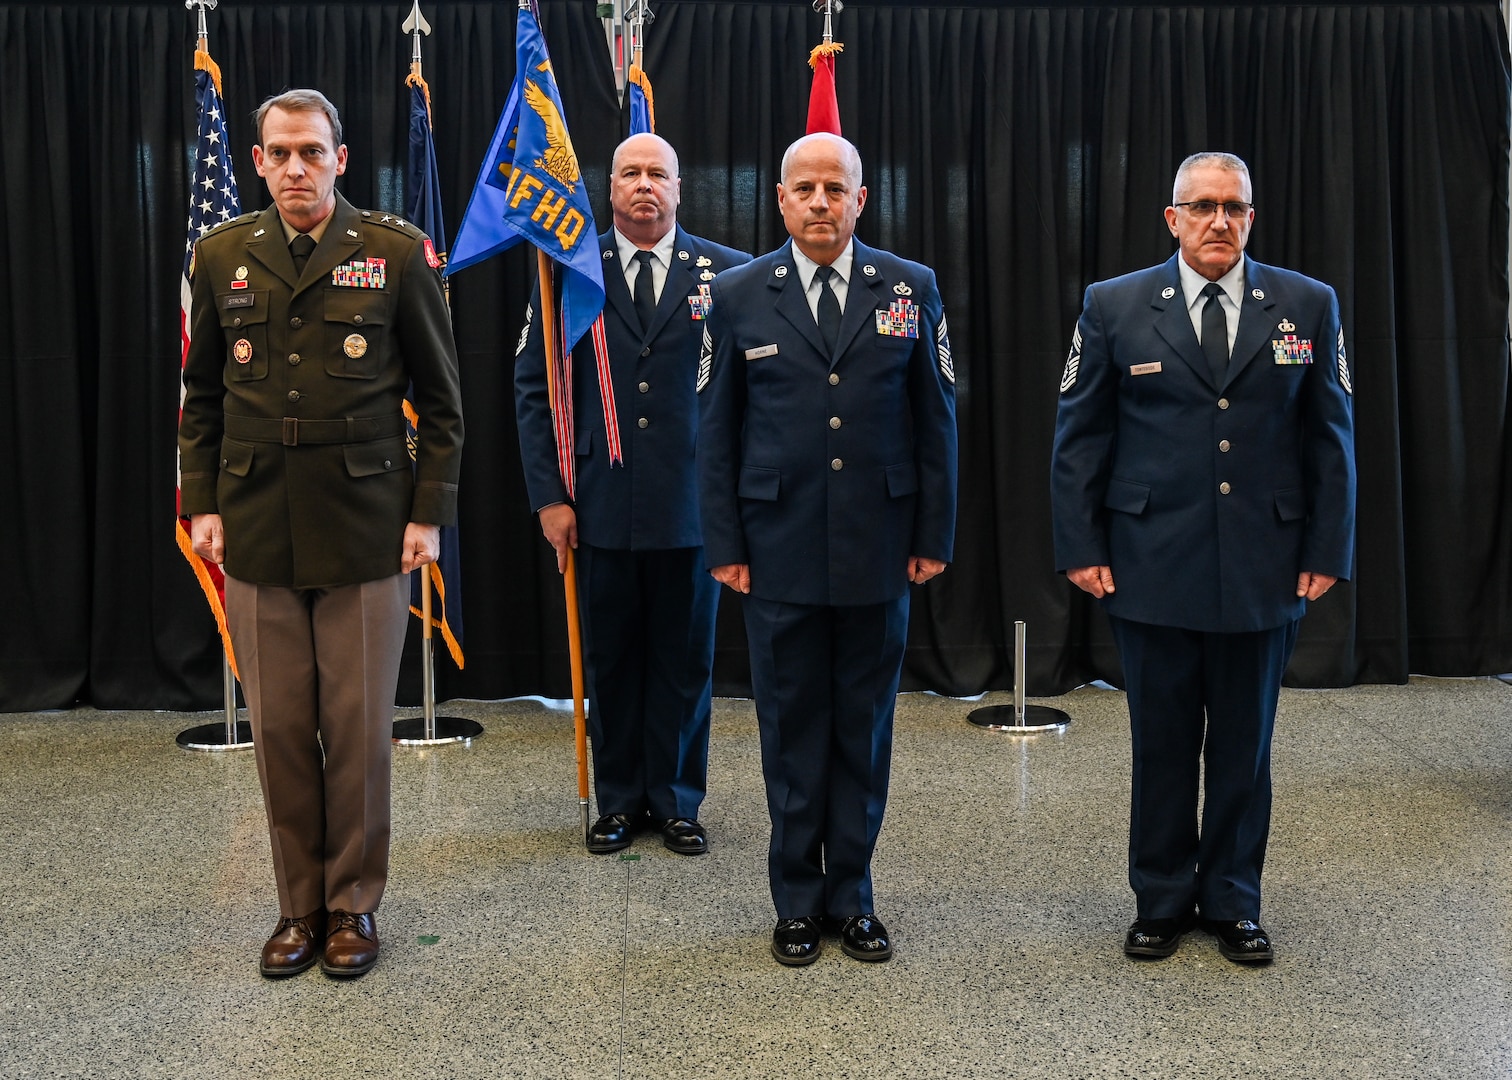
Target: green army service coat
292	426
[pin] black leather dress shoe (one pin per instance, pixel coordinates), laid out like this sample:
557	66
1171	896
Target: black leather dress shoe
684	836
351	945
795	942
1156	938
1243	941
610	833
294	946
863	937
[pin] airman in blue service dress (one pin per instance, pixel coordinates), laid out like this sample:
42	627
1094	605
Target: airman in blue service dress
1205	494
826	473
648	605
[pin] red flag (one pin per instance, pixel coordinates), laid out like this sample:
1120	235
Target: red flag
824	110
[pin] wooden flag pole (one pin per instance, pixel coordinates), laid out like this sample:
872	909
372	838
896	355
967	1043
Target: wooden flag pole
549	325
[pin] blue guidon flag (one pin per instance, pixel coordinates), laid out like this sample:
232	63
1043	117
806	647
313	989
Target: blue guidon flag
530	188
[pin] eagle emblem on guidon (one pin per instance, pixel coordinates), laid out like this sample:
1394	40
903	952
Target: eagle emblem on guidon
560	161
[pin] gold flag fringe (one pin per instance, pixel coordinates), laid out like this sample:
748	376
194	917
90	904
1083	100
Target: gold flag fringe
414	78
824	48
636	76
202	62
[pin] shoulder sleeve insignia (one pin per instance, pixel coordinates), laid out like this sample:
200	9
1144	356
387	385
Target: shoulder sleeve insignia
524	330
1344	366
942	351
1073	361
705	359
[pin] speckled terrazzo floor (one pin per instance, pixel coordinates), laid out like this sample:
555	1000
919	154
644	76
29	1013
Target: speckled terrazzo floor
137	891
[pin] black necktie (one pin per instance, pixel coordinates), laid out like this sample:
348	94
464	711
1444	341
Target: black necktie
829	309
645	290
301	247
1215	333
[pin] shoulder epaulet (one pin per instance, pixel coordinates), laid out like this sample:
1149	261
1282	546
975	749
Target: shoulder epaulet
393	221
250	215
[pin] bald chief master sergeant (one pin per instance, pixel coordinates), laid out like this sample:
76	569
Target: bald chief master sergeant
309	321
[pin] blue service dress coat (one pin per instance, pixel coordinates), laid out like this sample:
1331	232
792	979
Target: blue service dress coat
1206	500
648	605
652	502
824	472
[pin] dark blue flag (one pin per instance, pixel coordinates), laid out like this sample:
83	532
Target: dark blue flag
423	190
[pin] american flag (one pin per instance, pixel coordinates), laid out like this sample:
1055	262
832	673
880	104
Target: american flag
212	200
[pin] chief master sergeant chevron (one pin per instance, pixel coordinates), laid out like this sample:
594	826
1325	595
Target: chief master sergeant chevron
827	483
308	324
1205	493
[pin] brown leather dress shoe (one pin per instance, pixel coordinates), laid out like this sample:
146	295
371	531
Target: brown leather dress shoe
351	945
294	946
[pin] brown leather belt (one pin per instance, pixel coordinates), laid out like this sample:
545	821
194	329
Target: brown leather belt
292	431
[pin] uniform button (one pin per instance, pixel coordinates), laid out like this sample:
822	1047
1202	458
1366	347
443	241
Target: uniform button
837	465
835	422
643	387
1223	403
225	462
834	379
293	395
295	358
296	322
387	464
357	319
646	351
643	422
1224	446
1224	487
236	321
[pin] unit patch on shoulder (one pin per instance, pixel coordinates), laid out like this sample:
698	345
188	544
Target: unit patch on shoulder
1073	361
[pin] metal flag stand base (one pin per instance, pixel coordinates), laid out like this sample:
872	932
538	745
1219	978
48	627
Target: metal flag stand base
1018	718
430	729
231	734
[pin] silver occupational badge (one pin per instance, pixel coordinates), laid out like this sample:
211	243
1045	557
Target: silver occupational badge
354	346
1287	326
704	260
902	289
241	273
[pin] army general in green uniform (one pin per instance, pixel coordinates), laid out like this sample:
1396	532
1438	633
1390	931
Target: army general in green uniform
308	323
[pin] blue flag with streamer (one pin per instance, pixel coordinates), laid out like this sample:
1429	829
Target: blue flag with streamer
530	188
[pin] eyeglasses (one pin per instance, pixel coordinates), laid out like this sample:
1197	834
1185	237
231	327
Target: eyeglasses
1202	208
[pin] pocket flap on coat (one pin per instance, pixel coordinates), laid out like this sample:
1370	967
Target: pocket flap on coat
380	456
1126	496
236	457
1291	504
757	482
902	479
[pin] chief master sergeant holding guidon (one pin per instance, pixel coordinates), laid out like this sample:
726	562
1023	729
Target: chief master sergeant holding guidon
308	323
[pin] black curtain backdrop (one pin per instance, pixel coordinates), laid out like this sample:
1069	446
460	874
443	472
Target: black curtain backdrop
1021	151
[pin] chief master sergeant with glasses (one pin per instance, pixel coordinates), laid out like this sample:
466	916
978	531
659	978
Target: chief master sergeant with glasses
1203	488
